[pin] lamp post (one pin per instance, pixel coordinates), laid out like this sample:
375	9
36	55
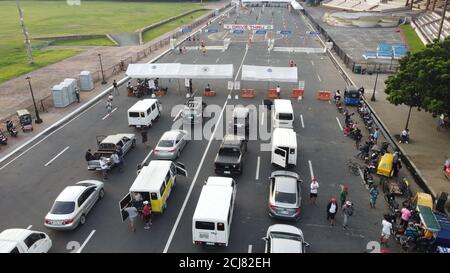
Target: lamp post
101	67
375	86
38	118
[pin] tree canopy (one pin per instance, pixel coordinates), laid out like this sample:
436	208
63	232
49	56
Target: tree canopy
423	79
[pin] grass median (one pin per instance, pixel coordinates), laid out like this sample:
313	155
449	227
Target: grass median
412	39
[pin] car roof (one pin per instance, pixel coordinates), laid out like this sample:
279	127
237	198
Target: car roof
70	193
213	203
116	138
15	234
150	177
283	105
284	137
286	229
142	105
170	135
285	184
7	246
282	245
232	140
240	112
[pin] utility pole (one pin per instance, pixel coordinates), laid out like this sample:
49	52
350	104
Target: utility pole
442	20
25	34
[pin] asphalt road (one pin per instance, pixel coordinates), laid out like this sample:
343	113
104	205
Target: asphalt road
29	187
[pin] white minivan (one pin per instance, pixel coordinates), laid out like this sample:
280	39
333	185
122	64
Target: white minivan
144	112
284	147
283	114
19	240
214	212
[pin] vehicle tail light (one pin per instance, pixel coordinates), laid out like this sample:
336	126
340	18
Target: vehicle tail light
67	222
156	150
297	211
48	222
272	207
172	150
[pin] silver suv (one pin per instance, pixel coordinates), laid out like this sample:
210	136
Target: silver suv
285	195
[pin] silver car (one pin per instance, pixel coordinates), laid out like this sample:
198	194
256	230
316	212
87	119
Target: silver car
73	204
285	195
285	239
171	144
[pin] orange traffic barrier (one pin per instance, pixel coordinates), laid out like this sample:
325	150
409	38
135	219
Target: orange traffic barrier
272	93
248	93
323	95
209	93
297	93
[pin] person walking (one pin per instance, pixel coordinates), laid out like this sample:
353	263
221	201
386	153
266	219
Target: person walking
144	137
278	91
332	209
77	94
108	106
385	231
146	212
343	194
347	211
89	156
116	89
190	86
132	215
104	167
373	192
116	160
314	190
119	152
375	135
110	97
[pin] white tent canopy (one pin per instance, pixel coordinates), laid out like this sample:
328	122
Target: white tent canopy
267	1
180	71
296	5
268	73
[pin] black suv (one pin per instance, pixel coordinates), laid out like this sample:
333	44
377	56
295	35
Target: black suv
229	159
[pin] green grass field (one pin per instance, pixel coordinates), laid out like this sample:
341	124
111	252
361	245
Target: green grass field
414	42
56	18
84	42
158	31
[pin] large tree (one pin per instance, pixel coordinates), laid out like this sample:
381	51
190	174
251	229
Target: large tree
423	79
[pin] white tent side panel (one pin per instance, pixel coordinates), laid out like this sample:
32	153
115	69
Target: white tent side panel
267	73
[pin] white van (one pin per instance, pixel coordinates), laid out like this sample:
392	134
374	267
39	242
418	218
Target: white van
284	147
144	112
283	114
214	212
19	240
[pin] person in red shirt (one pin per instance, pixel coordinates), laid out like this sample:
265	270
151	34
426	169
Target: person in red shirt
146	212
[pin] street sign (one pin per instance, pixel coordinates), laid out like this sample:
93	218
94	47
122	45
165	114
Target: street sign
230	85
247	27
237	85
284	32
237	31
211	30
185	30
261	31
301	85
313	33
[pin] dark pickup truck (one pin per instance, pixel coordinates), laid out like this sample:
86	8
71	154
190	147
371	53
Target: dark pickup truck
229	159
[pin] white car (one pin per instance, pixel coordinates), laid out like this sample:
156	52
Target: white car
19	240
284	239
73	204
171	144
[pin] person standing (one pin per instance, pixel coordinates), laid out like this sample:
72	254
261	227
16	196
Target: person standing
332	209
116	160
375	135
373	192
89	156
278	91
116	89
190	86
110	97
132	215
104	167
347	211
405	216
385	231
146	212
343	194
77	94
108	106
144	137
314	190
119	152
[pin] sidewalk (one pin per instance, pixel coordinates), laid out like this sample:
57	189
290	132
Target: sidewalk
15	93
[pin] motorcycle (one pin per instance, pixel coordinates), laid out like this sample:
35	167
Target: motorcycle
3	138
393	205
368	178
339	105
12	130
356	134
447	168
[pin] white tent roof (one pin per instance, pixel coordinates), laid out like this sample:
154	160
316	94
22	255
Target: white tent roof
269	1
180	71
268	73
296	5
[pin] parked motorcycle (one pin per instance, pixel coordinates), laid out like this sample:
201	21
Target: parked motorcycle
12	130
3	138
394	207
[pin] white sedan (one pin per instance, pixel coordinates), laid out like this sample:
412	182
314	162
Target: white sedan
73	204
284	239
171	144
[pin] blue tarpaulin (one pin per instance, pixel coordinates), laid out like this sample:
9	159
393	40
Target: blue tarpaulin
443	236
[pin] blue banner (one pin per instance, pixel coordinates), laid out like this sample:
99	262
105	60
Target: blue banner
184	30
261	31
212	30
238	31
285	32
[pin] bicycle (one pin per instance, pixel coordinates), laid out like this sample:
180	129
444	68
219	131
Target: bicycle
353	166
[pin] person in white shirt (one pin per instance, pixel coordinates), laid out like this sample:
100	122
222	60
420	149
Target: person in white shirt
104	167
278	91
332	209
385	231
313	192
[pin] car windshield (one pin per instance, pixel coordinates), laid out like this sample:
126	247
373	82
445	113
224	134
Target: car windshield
283	235
229	152
284	197
63	207
165	143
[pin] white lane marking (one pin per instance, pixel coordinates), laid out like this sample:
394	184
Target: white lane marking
250	247
329	102
319	77
30	226
301	118
145	159
196	59
257	167
262	118
193	94
186	199
312	62
339	123
86	241
179	113
56	156
37	143
311	169
175	60
217	60
105	117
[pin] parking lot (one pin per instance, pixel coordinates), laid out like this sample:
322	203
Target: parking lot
32	181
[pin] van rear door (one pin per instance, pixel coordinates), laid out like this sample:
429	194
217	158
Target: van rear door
206	232
279	157
179	169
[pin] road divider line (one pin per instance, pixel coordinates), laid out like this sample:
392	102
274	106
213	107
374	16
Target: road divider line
339	123
319	77
146	158
179	113
301	118
53	159
257	168
312	62
217	60
311	169
86	241
250	247
105	117
262	118
196	59
30	226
